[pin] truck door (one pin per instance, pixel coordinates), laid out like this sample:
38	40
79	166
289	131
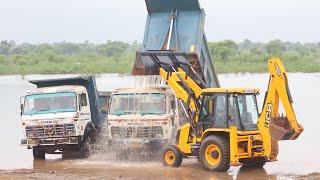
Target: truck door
84	107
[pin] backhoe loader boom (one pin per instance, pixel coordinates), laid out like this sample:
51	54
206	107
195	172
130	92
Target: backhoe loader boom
272	125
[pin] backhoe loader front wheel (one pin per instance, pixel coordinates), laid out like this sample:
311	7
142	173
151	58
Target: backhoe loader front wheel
215	153
171	156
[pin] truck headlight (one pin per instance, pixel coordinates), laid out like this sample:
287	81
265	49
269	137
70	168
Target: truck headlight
158	135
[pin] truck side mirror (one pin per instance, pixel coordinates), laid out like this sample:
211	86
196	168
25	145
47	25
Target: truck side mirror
105	109
21	109
21	105
172	102
172	116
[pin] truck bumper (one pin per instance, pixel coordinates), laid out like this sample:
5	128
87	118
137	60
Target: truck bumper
137	143
50	141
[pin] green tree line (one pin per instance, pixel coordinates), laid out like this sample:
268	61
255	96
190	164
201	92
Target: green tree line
118	57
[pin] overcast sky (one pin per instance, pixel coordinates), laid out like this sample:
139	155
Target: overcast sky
38	21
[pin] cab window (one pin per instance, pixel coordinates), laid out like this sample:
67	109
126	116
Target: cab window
220	111
233	113
83	100
207	108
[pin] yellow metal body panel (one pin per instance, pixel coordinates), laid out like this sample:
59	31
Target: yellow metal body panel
231	90
185	139
236	140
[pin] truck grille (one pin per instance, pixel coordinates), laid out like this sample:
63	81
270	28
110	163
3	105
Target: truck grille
50	130
137	132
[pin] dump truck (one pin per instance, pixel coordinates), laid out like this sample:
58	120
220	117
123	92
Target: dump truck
62	116
144	118
224	126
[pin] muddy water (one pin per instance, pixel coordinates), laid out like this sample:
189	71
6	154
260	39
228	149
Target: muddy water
296	158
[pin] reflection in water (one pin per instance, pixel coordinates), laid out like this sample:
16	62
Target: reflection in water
261	173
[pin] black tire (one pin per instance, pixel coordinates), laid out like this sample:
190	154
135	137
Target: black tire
219	159
85	148
122	154
38	153
67	154
171	156
257	162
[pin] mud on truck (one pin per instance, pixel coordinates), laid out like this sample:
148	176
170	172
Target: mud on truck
62	116
141	119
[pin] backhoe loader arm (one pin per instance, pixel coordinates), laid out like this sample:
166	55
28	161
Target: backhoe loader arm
185	89
272	126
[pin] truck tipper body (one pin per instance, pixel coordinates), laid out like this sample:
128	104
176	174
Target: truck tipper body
142	117
62	115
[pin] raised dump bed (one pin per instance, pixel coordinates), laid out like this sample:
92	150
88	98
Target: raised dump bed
176	26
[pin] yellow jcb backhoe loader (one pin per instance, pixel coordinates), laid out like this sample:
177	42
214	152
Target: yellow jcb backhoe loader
224	126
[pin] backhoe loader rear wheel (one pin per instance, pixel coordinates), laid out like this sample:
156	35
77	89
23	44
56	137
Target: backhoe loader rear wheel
257	162
171	156
215	153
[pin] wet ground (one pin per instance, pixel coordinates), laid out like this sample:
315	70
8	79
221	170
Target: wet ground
99	168
298	159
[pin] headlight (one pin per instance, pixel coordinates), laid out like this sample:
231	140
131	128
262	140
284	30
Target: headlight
158	135
29	132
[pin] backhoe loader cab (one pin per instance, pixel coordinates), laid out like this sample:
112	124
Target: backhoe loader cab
224	108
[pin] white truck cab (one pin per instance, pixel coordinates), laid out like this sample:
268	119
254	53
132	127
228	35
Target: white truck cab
57	119
142	116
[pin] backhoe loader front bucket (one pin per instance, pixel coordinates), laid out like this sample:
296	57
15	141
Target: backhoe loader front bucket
150	62
280	129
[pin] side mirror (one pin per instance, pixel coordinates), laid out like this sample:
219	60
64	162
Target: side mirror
21	105
21	109
172	116
80	107
105	109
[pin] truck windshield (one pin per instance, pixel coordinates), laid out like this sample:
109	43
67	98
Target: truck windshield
140	103
50	103
154	103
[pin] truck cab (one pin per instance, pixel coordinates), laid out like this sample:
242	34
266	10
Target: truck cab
60	118
142	116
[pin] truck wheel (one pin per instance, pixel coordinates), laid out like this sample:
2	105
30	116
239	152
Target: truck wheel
257	162
85	148
215	153
122	154
171	156
38	153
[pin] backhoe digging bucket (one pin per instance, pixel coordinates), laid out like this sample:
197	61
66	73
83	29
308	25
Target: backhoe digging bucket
281	130
149	63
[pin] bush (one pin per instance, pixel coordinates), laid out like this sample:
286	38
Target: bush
118	57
